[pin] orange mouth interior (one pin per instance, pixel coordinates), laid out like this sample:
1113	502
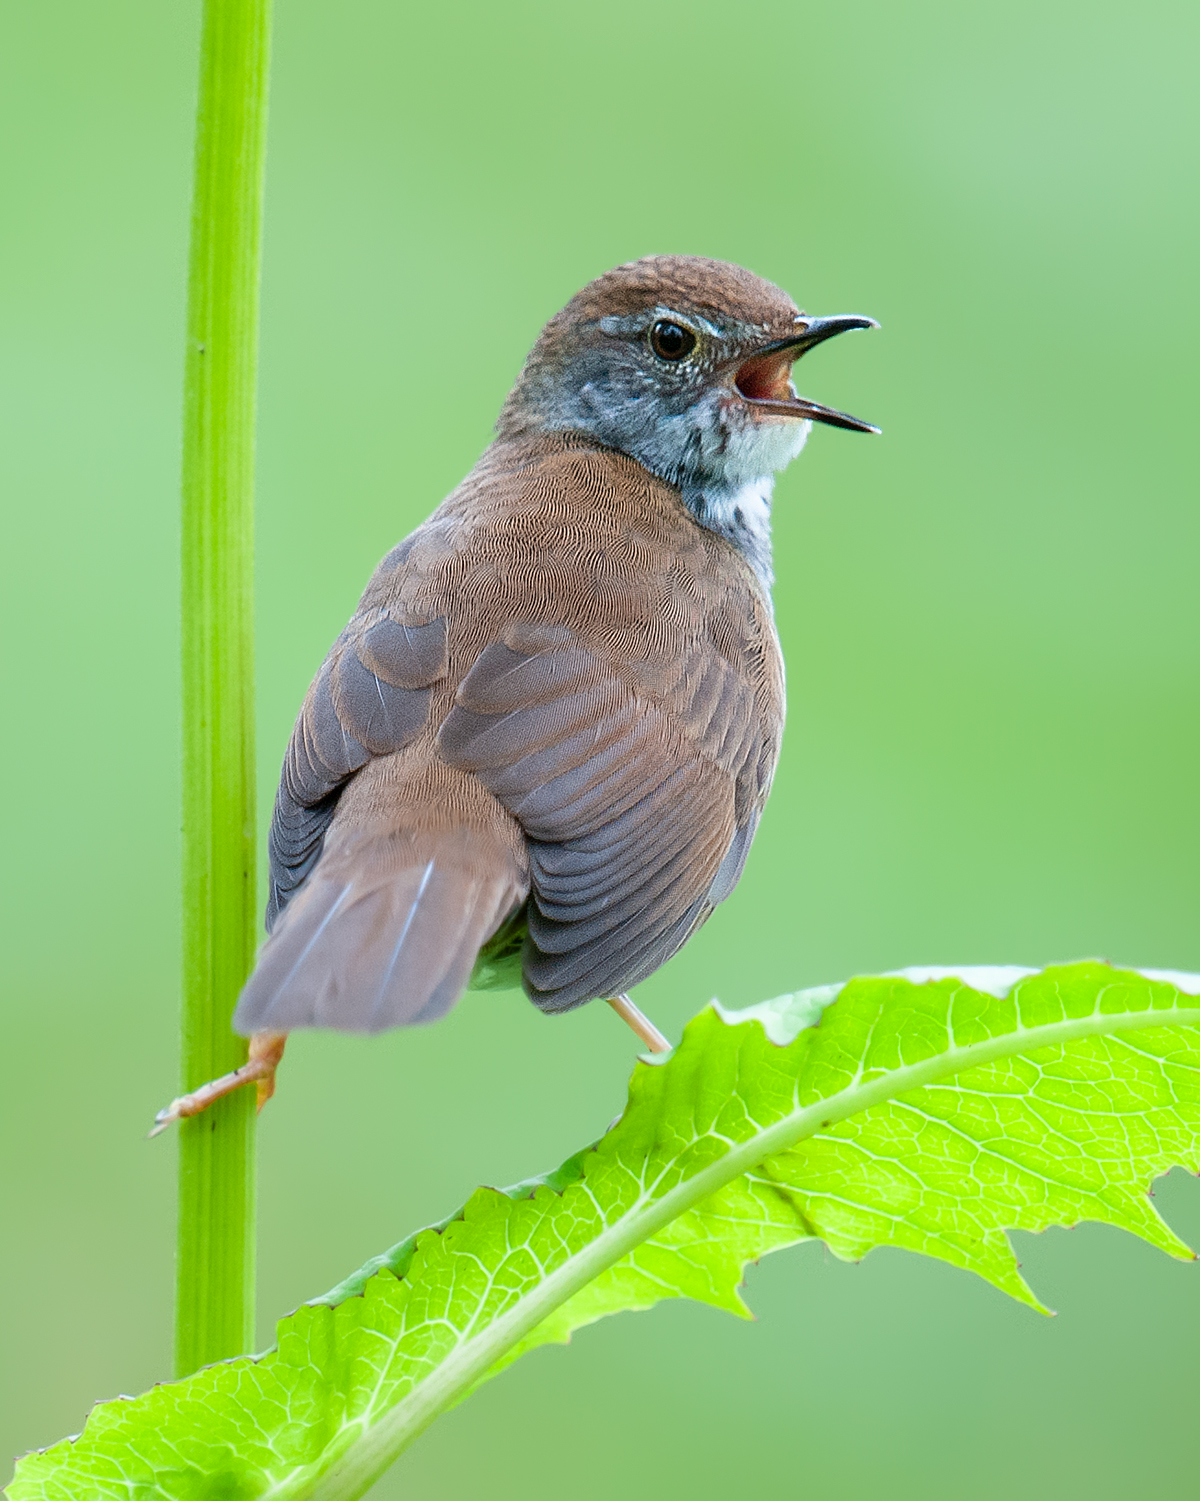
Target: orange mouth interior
767	377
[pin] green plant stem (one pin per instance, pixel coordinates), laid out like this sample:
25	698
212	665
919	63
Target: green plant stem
214	1314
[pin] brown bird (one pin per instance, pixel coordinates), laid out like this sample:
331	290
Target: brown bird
540	749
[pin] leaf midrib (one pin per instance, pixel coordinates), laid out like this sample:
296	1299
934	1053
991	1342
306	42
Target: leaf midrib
349	1473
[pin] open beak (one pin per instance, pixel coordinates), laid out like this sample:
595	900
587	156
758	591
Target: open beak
764	380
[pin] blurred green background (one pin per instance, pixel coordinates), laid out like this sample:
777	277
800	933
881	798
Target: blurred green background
989	617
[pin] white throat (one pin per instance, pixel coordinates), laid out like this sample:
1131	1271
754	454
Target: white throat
736	501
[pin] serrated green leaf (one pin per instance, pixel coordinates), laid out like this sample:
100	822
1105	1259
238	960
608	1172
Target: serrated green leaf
930	1110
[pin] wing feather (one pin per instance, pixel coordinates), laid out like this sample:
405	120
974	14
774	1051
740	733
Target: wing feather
628	803
370	698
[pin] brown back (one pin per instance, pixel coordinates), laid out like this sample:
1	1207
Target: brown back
560	687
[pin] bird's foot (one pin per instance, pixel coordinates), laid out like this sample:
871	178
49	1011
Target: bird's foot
266	1049
641	1024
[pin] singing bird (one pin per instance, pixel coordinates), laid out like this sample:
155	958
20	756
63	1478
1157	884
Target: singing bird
541	747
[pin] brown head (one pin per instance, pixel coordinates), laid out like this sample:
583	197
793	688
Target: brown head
684	364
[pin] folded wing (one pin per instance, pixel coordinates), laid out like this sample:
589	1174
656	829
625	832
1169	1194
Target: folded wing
376	914
638	807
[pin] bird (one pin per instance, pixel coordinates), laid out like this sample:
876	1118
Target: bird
541	748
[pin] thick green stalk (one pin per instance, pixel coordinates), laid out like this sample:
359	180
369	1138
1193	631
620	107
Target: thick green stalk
214	1314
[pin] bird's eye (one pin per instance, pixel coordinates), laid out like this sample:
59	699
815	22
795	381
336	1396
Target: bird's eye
670	341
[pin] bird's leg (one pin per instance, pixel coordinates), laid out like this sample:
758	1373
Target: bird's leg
642	1025
266	1049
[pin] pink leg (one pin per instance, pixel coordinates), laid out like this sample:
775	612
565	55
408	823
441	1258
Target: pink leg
266	1049
642	1025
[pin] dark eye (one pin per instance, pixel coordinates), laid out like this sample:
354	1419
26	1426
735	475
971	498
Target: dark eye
671	342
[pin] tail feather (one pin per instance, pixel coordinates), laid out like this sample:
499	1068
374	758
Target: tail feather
384	933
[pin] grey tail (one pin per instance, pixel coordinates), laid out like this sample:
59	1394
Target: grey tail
384	933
